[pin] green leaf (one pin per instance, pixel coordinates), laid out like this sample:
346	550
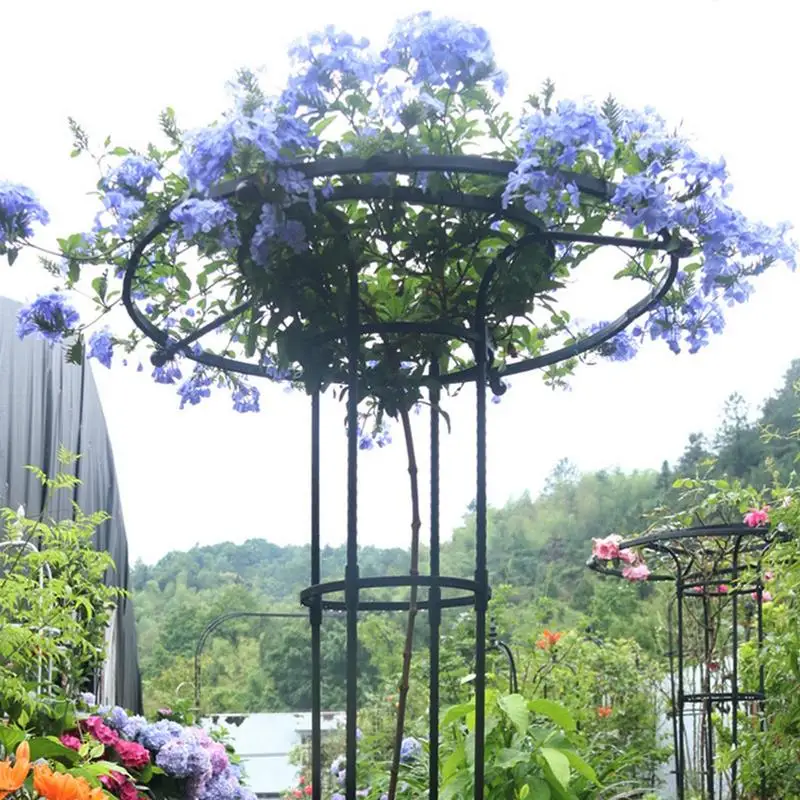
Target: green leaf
456	712
558	763
539	789
100	285
10	737
458	787
580	766
516	709
120	151
509	757
51	748
12	254
557	713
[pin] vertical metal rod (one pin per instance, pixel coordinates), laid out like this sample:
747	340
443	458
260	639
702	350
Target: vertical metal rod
351	570
481	577
434	614
315	611
672	694
680	754
707	705
761	682
735	668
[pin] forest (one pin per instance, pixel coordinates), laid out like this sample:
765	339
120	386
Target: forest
537	553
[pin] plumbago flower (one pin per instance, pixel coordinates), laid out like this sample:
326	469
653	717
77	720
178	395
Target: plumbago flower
276	246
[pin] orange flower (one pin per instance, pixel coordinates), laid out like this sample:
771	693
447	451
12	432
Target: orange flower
11	778
549	638
62	786
604	711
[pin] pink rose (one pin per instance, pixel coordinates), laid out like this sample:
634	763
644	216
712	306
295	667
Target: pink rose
768	576
629	556
71	741
756	517
132	754
765	596
640	572
723	588
606	549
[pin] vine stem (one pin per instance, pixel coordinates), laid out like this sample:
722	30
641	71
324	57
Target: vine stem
412	602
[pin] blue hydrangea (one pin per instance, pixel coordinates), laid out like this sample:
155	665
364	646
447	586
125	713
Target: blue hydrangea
155	735
19	209
195	388
133	175
246	398
439	52
118	718
173	758
206	217
221	787
410	749
133	727
49	316
101	347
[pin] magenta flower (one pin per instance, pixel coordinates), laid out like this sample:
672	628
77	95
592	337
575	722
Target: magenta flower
639	572
132	754
756	517
100	731
71	741
608	548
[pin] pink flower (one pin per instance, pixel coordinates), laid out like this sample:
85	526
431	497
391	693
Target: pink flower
768	576
756	517
100	731
71	741
629	557
132	754
765	596
608	548
640	572
722	588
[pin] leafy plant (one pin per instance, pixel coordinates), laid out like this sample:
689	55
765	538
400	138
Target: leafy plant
55	604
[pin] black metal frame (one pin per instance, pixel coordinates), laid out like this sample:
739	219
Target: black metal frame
474	592
729	553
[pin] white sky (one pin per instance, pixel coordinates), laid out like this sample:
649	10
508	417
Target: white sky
206	474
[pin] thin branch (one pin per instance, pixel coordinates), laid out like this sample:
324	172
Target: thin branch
412	603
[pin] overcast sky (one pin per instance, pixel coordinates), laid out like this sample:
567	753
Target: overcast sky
206	474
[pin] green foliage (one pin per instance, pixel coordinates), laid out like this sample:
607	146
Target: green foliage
54	604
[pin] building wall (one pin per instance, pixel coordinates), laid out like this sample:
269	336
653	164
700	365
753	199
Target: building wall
44	403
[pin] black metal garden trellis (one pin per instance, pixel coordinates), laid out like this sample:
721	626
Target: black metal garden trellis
350	595
718	598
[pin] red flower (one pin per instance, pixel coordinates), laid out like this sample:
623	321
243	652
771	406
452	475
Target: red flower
132	754
308	789
548	640
604	711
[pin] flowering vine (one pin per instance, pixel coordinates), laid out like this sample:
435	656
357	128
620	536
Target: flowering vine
434	89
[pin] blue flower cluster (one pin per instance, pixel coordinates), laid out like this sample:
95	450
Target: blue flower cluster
195	388
19	209
622	347
410	749
49	316
442	52
203	218
101	347
133	175
669	188
324	60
